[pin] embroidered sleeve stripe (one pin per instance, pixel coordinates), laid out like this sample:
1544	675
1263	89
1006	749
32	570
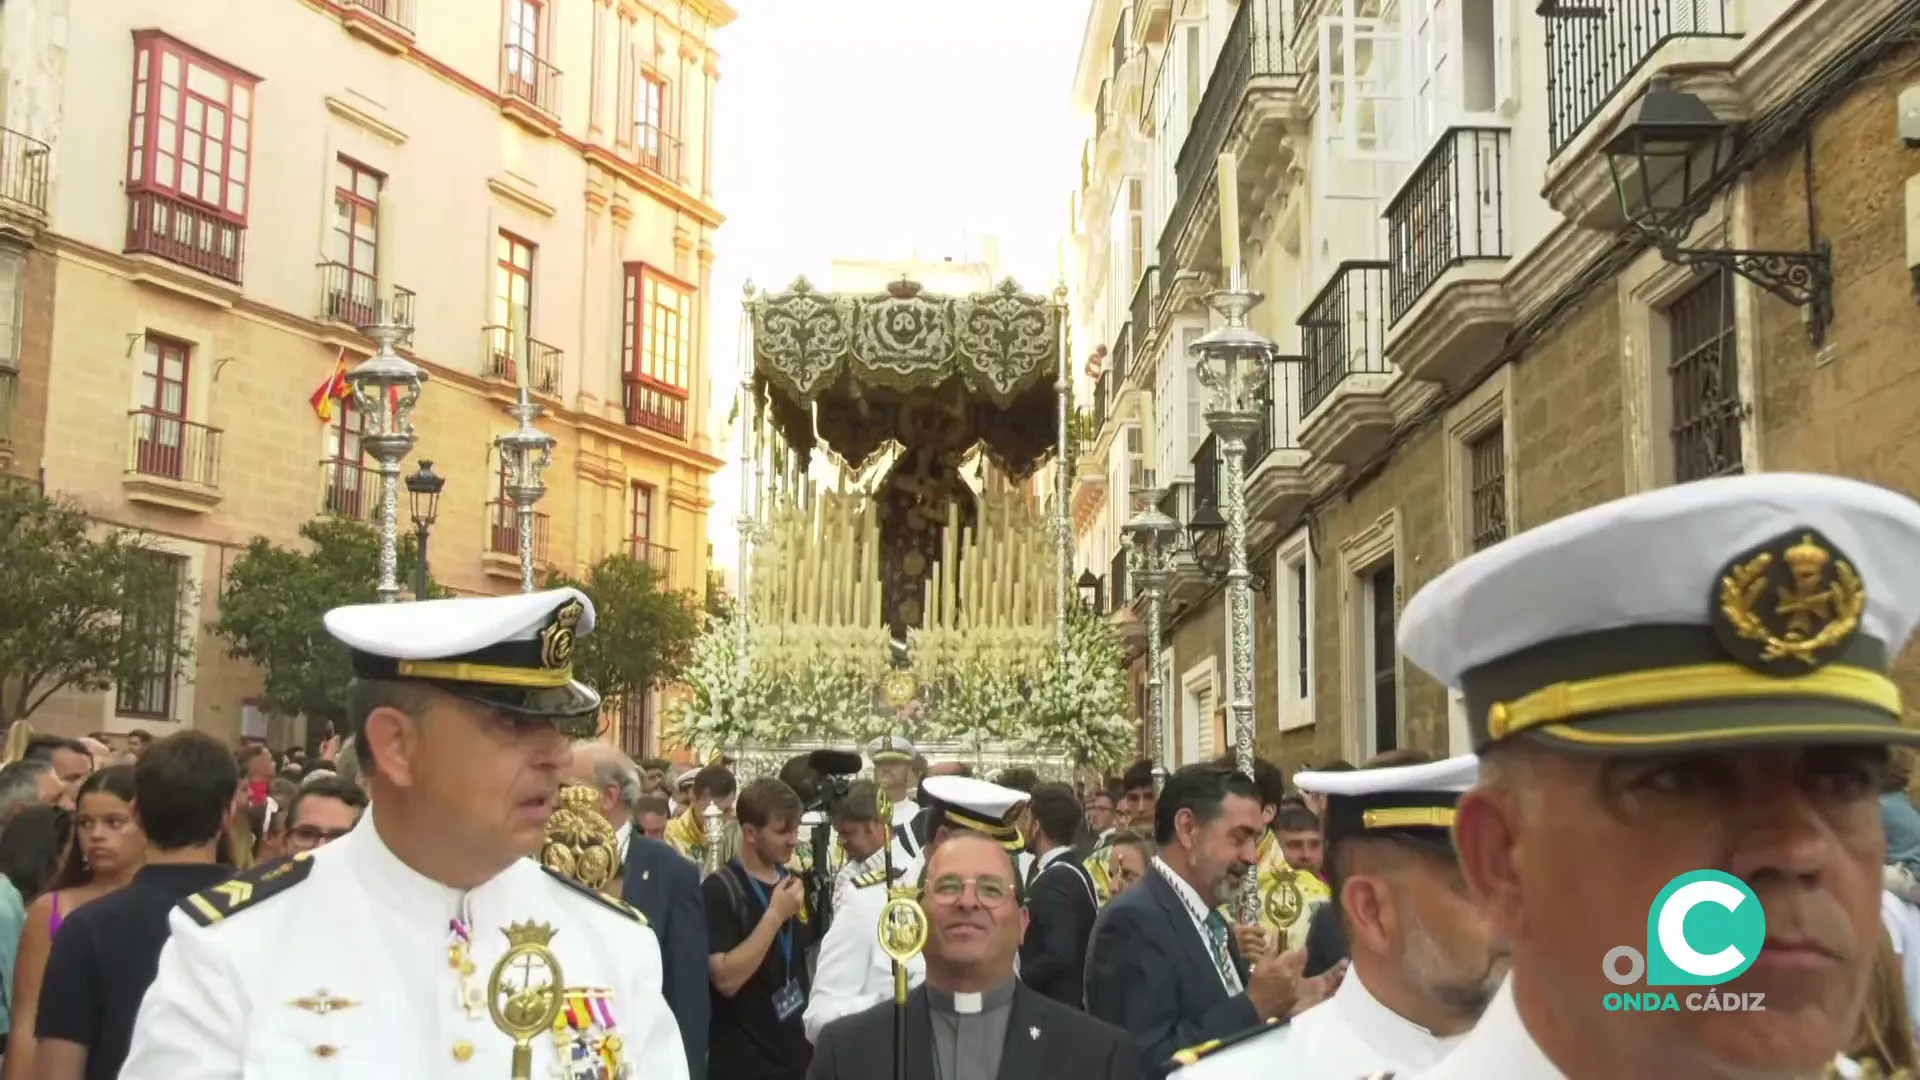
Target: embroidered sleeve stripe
246	890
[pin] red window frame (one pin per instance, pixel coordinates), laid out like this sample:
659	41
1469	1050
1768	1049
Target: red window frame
352	206
656	343
517	317
190	132
641	520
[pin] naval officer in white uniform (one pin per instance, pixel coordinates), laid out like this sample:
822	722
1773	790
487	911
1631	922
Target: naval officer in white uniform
1691	679
852	973
1424	963
371	957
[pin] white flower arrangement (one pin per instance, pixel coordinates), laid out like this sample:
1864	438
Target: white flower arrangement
1079	708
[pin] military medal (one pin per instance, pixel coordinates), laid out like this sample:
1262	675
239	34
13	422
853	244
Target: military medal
470	997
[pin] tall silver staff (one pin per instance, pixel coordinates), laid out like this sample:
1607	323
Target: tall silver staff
1152	534
526	451
385	387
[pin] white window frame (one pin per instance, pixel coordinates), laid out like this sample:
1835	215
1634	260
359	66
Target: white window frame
1489	405
1437	54
1343	86
1293	554
1360	555
1201	677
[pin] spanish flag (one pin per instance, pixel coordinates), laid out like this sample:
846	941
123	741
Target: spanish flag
334	389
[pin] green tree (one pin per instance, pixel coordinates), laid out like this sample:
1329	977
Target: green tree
272	608
643	632
81	607
719	601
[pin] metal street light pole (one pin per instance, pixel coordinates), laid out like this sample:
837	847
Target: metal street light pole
1152	534
423	489
385	387
526	451
1232	361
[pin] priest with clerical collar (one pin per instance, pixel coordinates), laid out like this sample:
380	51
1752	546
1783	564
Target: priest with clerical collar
973	1019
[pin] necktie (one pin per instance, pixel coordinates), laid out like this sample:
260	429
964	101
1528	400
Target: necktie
1033	871
1222	955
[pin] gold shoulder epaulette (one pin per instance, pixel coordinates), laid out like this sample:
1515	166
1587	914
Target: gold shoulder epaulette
247	889
1193	1054
610	903
875	877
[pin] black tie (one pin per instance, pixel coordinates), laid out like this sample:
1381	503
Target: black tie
1033	871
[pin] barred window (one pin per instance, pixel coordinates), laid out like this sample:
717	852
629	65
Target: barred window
157	627
1487	486
1704	381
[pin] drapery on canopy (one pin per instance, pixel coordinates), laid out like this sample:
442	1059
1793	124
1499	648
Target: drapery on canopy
857	372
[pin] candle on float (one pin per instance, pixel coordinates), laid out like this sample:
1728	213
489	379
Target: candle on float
1229	183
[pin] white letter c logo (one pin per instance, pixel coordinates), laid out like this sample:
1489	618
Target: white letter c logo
1673	922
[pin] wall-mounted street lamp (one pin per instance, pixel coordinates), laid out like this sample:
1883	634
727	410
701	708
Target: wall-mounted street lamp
1089	586
1669	149
423	495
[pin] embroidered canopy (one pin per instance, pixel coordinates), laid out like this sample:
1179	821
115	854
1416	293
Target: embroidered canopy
859	372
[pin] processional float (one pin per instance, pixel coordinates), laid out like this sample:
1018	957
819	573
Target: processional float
938	410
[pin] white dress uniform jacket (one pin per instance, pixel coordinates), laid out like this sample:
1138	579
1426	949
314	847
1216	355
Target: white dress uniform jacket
1500	1047
1350	1035
852	973
342	969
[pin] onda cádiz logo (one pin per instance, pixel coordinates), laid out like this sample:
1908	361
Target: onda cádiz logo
1704	929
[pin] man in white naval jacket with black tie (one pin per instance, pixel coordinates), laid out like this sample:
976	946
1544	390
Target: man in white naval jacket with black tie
371	958
1424	960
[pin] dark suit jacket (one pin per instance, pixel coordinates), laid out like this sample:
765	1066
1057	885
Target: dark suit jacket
665	886
1060	910
1326	942
1068	1044
1150	975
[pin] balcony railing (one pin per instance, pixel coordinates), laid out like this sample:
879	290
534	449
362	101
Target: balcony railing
1343	330
1453	208
1102	108
503	531
349	489
398	13
172	448
1142	308
349	296
1255	47
1120	359
1149	120
1122	39
1102	396
1178	503
658	151
655	555
23	171
180	232
655	409
1117	595
506	346
1595	46
525	76
1279	419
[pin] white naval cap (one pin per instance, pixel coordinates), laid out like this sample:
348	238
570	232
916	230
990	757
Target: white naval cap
966	803
513	653
890	748
1760	608
1413	801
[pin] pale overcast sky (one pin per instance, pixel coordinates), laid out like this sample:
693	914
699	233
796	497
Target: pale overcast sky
882	129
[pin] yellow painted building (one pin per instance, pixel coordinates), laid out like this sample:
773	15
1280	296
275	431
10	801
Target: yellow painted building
225	177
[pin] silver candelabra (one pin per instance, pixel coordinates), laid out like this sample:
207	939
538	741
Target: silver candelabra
1152	533
386	387
525	452
1232	361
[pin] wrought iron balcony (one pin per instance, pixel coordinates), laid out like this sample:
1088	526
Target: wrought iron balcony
180	232
1595	46
527	77
1343	331
655	408
1120	360
1277	485
1452	209
659	152
655	555
1102	396
1142	308
349	489
503	531
23	172
167	447
504	347
1255	48
349	296
1206	475
395	13
1117	594
1102	109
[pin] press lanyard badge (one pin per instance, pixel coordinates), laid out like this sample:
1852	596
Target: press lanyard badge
791	997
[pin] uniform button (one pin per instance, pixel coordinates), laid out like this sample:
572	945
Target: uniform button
463	1051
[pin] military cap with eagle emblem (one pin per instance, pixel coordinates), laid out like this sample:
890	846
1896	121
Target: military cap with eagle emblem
1408	802
511	653
1749	609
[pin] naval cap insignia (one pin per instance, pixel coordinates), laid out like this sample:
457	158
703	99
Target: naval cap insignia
1789	606
556	641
